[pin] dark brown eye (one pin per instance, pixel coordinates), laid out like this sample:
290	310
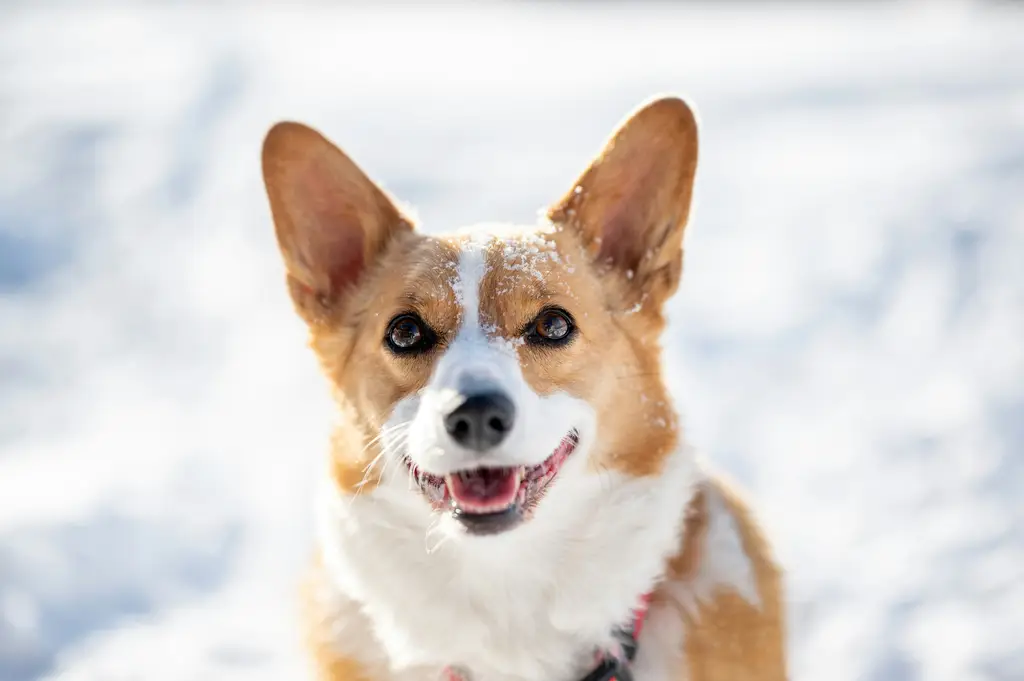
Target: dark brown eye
551	326
408	333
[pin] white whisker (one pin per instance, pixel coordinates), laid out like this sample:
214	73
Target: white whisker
395	437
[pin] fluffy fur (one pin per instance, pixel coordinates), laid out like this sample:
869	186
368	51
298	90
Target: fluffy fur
400	589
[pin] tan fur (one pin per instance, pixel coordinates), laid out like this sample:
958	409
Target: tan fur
728	638
611	257
328	664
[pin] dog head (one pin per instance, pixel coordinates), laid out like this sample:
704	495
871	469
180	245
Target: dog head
480	374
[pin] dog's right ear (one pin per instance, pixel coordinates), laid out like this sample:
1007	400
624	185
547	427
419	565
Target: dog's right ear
331	219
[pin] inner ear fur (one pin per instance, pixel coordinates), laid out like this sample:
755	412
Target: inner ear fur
631	205
331	220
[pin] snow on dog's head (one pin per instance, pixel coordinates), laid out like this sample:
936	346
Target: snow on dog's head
479	373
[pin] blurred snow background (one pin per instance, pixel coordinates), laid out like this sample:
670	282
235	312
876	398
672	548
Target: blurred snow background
848	342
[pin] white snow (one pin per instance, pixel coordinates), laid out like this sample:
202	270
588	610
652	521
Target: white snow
847	342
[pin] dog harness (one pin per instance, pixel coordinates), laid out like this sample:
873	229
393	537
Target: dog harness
612	664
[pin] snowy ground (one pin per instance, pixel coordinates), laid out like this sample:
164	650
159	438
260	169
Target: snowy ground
849	340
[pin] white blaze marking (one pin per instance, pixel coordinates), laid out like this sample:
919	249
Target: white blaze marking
470	273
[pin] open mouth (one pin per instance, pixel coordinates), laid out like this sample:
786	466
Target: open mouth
492	500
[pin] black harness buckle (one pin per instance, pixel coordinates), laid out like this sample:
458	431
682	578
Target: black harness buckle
615	667
610	669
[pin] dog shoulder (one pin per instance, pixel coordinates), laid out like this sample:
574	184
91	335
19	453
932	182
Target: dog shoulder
727	588
336	632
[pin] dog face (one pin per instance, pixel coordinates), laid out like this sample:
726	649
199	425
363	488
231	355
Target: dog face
479	373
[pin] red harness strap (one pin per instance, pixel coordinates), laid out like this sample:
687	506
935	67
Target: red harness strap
640	615
613	664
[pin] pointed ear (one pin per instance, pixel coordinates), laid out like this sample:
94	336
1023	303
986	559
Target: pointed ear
631	205
331	220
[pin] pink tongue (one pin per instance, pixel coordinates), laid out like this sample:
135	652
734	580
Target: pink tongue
484	490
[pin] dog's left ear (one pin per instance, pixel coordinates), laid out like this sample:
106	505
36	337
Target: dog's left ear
631	205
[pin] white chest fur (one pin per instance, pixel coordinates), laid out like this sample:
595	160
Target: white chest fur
529	604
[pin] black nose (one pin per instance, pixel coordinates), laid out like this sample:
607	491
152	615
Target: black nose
481	421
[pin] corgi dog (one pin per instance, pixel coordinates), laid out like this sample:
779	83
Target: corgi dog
509	495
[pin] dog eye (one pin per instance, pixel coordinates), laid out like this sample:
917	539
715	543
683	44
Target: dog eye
551	326
407	333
